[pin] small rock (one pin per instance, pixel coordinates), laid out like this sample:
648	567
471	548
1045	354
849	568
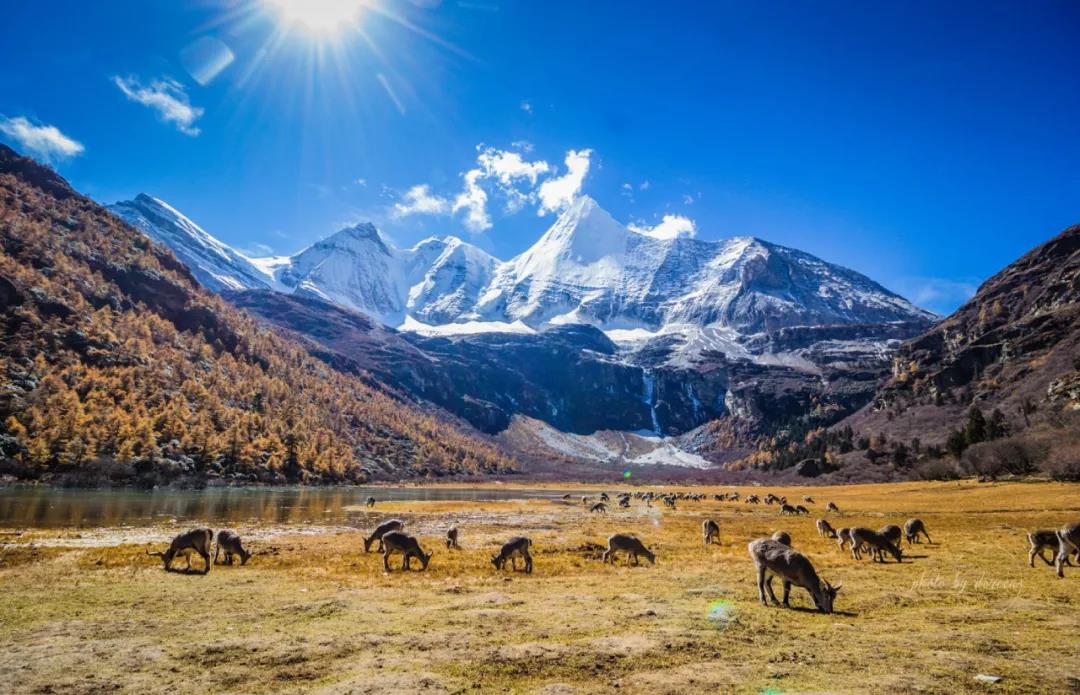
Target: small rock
988	679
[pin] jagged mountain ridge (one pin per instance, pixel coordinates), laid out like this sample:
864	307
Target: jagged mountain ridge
587	268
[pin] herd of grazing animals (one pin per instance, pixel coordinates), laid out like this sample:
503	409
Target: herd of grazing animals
773	557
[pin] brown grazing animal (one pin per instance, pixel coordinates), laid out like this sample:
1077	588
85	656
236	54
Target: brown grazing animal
229	542
408	546
451	538
371	501
711	531
599	508
892	532
877	543
512	550
622	542
912	529
831	506
195	541
825	529
774	559
380	531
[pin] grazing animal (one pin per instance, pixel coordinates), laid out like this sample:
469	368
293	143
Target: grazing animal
774	559
194	541
877	543
892	532
670	501
1041	539
229	542
451	538
801	509
604	497
788	509
627	544
599	508
782	537
371	501
624	502
512	550
808	499
912	529
584	501
380	531
753	499
1068	542
825	529
831	506
711	530
843	537
408	546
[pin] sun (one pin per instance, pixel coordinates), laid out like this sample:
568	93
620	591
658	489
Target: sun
318	16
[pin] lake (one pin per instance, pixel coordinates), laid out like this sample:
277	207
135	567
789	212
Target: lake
46	507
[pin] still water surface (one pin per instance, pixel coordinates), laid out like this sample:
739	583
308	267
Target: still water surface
45	507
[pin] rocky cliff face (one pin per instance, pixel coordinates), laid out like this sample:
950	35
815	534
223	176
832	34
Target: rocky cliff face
1014	347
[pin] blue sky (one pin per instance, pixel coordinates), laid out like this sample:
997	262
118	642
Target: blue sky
924	144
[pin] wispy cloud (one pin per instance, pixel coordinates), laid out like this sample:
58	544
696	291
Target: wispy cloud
165	96
526	107
557	193
419	200
257	250
669	227
45	141
941	295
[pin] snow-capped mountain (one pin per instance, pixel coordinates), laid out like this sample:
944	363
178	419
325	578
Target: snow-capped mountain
587	268
215	264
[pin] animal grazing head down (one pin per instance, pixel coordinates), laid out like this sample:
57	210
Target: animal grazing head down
825	595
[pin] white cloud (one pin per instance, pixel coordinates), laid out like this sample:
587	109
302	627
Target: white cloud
507	166
167	97
687	199
420	200
645	185
46	141
557	193
668	228
361	182
523	145
474	201
510	175
527	107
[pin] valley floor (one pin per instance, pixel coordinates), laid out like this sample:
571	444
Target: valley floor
313	613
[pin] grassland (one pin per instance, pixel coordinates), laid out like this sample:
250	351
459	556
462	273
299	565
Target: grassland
313	613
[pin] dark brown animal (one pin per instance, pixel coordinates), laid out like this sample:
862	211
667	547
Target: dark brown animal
380	531
711	531
408	546
512	550
229	543
195	541
622	542
912	529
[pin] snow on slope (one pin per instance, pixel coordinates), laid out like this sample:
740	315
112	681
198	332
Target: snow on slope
214	264
586	268
622	448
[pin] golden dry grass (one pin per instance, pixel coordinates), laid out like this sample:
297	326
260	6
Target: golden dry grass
313	613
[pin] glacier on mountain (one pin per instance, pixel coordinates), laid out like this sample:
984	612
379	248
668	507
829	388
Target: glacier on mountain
586	268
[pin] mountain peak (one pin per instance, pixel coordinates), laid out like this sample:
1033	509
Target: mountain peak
355	236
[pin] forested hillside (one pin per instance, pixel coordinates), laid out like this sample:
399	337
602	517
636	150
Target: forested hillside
115	365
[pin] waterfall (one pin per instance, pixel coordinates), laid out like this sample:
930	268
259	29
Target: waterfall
648	382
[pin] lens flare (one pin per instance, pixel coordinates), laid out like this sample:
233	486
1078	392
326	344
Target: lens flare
721	613
627	474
